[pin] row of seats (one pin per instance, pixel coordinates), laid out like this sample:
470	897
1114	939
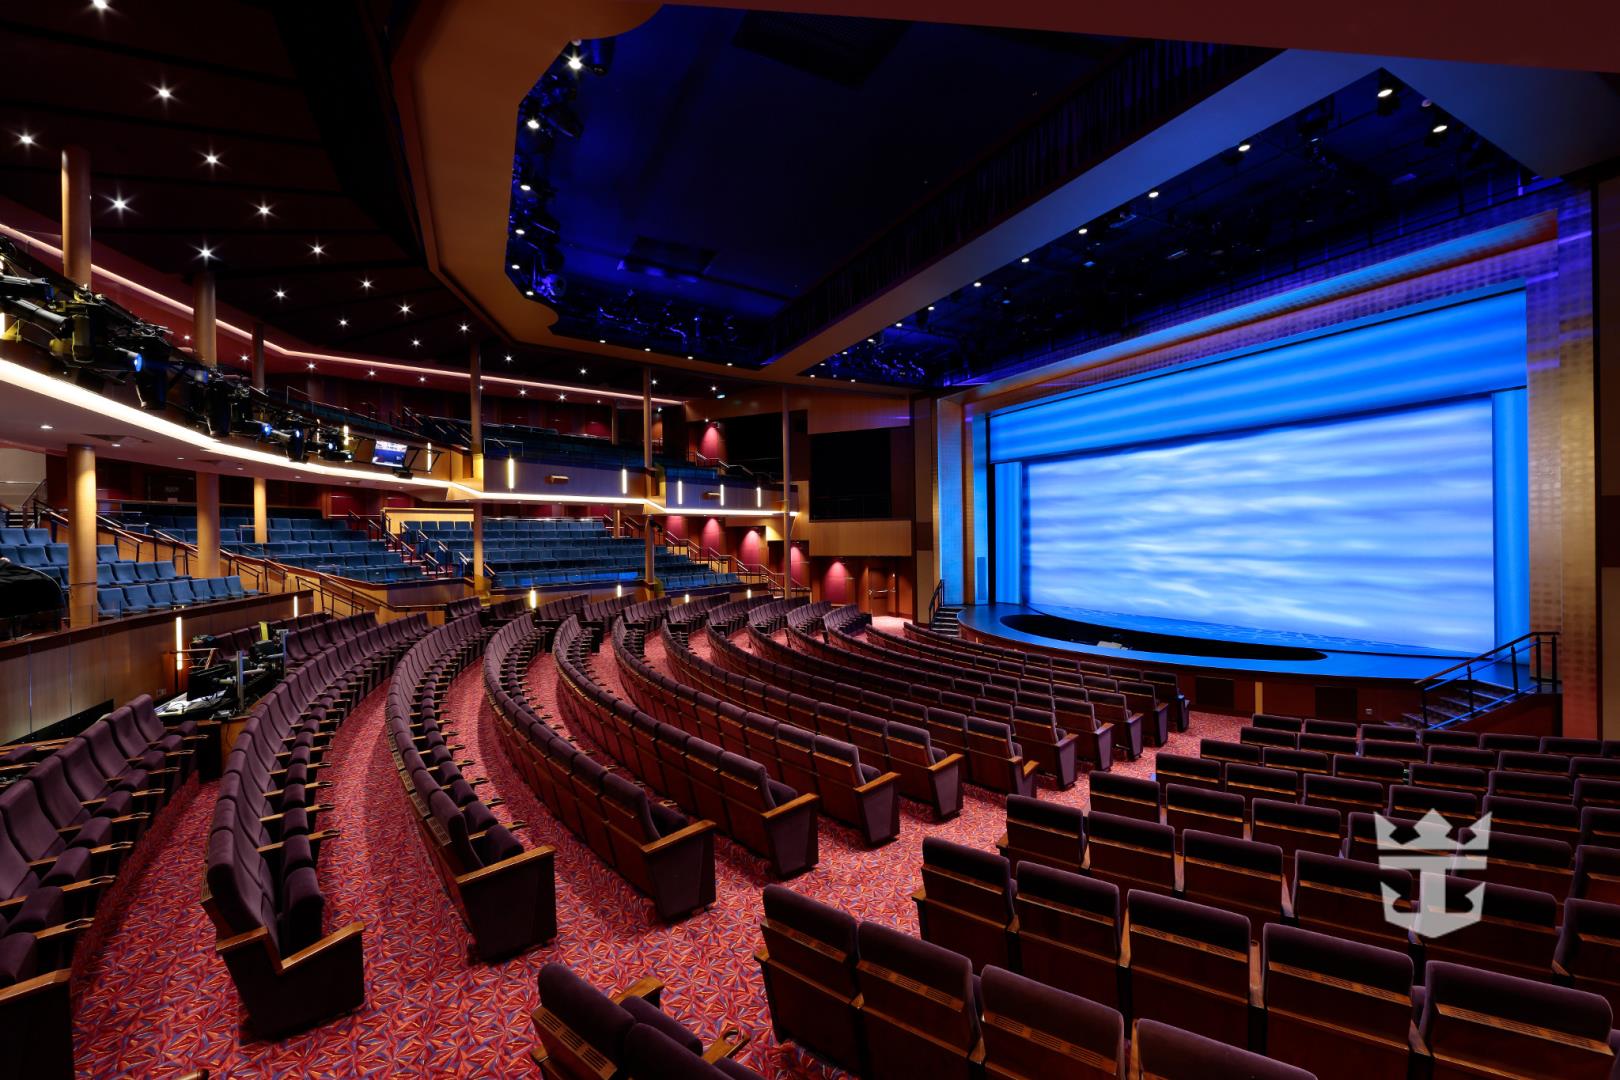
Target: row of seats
228	645
1286	1002
261	891
924	772
527	553
1137	714
654	847
67	827
993	759
690	616
1061	671
507	896
587	1035
309	642
180	592
853	792
769	818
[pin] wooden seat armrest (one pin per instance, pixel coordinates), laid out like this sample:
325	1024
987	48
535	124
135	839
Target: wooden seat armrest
792	806
1028	767
113	848
62	930
328	944
878	782
678	837
730	1041
57	979
544	853
649	987
100	881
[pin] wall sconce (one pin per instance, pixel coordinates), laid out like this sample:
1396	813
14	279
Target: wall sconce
180	643
624	481
511	473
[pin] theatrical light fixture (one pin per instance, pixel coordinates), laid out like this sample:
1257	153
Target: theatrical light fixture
1153	194
1243	148
978	284
575	63
1082	230
25	138
341	322
263	210
1025	259
205	253
404	309
119	203
1386	85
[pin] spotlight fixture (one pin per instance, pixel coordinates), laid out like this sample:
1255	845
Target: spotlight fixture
1244	148
119	203
1025	259
1386	85
404	309
342	322
575	63
1153	194
317	249
205	253
978	284
1081	231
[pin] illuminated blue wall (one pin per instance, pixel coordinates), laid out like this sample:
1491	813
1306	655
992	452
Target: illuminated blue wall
1368	482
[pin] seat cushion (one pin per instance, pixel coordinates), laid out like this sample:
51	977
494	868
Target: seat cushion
302	906
70	866
19	958
645	1012
94	833
44	907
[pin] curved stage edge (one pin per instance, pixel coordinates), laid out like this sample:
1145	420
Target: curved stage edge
1230	670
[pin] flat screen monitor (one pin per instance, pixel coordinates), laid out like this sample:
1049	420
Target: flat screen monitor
388	453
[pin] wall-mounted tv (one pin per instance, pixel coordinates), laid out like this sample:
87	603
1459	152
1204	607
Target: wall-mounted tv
390	454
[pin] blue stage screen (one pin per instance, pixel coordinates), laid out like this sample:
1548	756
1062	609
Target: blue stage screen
1377	527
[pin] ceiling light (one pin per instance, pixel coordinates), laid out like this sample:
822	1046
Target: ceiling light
646	348
978	284
281	294
463	329
45	427
532	123
100	5
1244	148
343	322
508	358
514	266
26	138
371	371
421	378
263	209
1440	128
312	367
1153	194
575	63
119	203
528	292
582	371
1082	230
930	307
317	250
205	253
562	397
1386	85
210	159
365	283
415	342
404	309
1025	259
163	92
655	382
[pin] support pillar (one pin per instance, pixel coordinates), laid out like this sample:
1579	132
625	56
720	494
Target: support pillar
475	410
81	468
76	209
261	499
787	499
649	562
207	526
480	583
204	344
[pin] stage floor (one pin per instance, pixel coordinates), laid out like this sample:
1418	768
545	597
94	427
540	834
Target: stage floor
1207	646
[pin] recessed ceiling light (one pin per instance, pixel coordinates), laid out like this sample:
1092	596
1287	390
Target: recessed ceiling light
415	342
343	322
312	367
575	63
164	93
1082	230
514	266
655	382
371	371
365	283
404	309
562	397
978	284
508	358
1244	148
1440	128
463	329
1153	194
281	294
1025	259
528	292
45	427
930	307
205	253
582	371
523	393
899	326
119	203
26	138
317	250
101	5
210	159
601	341
263	209
421	378
646	348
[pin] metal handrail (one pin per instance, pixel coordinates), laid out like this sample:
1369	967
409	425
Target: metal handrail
935	601
1540	651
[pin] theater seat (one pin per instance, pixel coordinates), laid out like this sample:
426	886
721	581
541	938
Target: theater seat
1034	1031
1165	1052
808	967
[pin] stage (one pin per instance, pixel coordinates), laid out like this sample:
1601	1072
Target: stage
1229	668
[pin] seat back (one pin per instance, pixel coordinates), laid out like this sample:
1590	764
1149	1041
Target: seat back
1242	876
1125	796
1346	898
1335	1007
918	1009
1132	854
1044	832
1033	1031
808	965
1166	1052
1516	934
1068	931
1190	966
1482	1023
966	902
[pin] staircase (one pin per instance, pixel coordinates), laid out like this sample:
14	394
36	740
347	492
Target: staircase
1523	667
945	621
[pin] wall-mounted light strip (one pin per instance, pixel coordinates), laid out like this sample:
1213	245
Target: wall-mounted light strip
624	481
511	473
680	492
180	642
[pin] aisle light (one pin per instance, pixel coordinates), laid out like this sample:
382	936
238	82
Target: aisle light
179	643
618	590
722	494
680	491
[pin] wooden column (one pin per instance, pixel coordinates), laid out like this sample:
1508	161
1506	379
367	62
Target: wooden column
649	563
787	499
261	500
76	209
480	583
207	526
475	410
81	468
204	344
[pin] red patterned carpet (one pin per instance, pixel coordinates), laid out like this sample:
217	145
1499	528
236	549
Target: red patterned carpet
155	1002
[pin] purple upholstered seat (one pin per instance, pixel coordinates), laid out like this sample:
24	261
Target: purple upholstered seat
1068	931
1363	991
1480	1022
966	902
651	1052
1031	1029
808	965
1170	1053
920	1012
1189	966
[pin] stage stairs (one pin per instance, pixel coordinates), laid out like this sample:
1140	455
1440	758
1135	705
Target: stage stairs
1524	667
945	621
